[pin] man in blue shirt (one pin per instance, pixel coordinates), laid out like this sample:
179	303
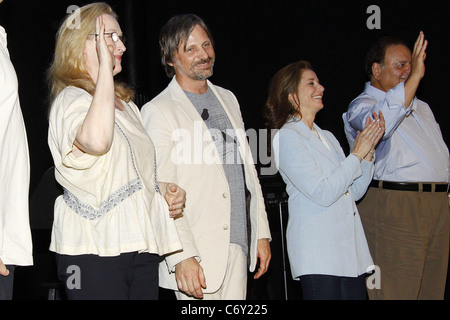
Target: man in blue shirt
405	212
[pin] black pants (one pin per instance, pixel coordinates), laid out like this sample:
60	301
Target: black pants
325	287
7	283
129	276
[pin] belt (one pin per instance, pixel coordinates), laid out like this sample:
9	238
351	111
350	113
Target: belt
410	186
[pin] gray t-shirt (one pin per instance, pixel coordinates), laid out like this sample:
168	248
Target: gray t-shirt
222	132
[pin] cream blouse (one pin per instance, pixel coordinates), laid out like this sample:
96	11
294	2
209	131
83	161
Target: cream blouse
111	203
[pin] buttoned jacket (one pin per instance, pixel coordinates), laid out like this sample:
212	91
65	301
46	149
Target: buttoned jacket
324	232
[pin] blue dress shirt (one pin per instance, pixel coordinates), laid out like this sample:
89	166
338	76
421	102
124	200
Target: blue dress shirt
412	149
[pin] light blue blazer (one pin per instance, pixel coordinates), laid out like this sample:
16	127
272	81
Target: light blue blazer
324	232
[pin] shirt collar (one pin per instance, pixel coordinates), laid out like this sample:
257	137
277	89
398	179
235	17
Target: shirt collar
306	131
374	92
414	104
380	94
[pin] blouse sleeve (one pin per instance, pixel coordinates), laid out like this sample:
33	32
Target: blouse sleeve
68	113
86	175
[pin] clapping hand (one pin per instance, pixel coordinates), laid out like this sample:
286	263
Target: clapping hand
367	140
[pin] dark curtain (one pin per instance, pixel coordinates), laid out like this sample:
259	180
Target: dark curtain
253	39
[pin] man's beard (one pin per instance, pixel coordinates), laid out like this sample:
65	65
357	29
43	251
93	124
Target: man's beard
203	74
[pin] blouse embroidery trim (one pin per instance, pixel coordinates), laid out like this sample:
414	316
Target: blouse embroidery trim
88	212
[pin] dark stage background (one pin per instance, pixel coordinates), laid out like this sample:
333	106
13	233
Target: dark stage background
253	39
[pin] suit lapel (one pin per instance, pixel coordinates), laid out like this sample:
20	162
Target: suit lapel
185	106
336	151
317	144
235	120
226	103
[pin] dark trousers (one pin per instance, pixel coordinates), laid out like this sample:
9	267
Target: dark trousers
129	276
325	287
6	284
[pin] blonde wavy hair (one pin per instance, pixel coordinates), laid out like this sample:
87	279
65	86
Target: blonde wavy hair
68	67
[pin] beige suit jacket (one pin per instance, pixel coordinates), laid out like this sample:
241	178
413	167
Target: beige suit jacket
186	155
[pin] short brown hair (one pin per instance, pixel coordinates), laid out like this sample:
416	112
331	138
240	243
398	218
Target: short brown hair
173	33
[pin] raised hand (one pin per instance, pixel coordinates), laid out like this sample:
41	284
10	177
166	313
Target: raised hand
105	52
419	56
417	69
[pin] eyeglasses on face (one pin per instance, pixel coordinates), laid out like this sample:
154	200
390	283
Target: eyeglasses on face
113	35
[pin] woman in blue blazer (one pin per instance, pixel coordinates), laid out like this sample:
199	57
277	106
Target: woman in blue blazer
326	244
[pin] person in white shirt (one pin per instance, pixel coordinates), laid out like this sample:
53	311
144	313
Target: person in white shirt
15	234
112	224
405	212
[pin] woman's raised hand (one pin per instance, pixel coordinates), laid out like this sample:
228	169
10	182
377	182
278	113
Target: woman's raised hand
105	52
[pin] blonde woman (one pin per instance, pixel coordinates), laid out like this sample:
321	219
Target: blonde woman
114	219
